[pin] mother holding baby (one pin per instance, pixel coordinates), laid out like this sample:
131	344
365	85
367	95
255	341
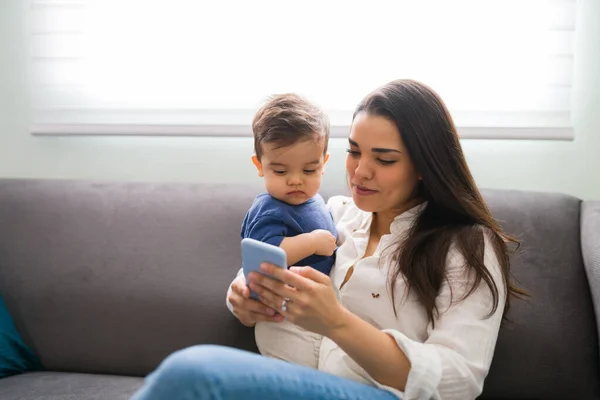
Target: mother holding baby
420	285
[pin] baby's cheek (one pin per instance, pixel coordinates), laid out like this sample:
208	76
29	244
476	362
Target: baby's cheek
315	183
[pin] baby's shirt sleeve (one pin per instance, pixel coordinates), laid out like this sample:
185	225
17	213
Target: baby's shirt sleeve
266	228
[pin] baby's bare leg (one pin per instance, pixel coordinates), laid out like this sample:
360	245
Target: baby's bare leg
288	342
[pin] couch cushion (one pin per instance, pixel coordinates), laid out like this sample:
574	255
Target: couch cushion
550	351
112	278
66	386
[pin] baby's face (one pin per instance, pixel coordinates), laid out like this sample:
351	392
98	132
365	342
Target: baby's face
293	174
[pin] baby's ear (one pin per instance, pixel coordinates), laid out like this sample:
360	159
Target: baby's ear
325	162
258	165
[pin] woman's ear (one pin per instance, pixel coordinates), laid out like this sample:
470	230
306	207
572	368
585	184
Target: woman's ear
258	165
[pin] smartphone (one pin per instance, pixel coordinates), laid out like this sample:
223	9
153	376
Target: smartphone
255	252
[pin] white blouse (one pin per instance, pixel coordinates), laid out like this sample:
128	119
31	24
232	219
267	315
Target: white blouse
449	361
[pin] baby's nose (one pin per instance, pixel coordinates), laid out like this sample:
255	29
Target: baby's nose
294	181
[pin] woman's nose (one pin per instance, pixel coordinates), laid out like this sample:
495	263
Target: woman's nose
363	170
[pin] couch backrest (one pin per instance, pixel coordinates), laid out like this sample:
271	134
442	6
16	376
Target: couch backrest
590	247
550	350
112	277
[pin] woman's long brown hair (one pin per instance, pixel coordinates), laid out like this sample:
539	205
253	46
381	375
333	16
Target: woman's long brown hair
455	214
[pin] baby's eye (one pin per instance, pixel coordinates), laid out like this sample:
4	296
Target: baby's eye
309	171
278	172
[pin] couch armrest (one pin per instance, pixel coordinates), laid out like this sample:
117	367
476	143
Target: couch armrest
590	249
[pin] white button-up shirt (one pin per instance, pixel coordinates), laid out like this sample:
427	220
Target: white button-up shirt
449	361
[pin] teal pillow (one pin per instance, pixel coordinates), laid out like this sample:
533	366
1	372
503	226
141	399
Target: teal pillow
15	356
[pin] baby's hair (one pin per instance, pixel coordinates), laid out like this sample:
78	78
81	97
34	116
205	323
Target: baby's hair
286	119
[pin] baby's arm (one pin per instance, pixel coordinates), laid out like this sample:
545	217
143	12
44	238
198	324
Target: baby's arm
272	229
319	241
298	247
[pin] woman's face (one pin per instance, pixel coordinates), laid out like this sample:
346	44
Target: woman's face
380	171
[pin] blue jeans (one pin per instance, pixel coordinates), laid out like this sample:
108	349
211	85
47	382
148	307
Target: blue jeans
221	373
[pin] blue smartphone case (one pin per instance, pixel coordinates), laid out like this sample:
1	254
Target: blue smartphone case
255	252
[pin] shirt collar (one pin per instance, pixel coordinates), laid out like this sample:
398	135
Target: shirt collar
400	222
405	220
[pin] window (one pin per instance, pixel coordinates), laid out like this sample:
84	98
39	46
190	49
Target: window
504	67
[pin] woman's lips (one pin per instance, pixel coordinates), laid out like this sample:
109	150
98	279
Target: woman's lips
363	191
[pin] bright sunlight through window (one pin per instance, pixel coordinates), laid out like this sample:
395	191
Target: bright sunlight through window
504	68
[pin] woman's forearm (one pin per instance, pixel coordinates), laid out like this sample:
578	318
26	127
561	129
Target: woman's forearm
374	350
227	302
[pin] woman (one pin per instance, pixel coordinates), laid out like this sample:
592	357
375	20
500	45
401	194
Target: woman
421	282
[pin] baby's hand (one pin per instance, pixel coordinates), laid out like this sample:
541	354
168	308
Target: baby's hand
324	242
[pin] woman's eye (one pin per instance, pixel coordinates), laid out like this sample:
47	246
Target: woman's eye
309	171
386	162
353	153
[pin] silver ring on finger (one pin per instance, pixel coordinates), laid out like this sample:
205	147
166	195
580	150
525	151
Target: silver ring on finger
284	304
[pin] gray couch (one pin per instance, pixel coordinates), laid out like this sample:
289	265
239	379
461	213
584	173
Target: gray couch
104	280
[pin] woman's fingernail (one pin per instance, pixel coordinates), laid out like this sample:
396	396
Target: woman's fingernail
270	311
264	267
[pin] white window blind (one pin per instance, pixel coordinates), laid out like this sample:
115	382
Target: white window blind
504	67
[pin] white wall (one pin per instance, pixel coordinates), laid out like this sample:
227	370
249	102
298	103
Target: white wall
568	167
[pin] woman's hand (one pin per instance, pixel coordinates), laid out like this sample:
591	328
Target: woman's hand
302	295
247	310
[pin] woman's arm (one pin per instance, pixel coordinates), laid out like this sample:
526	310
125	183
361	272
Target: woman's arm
230	291
314	306
451	364
248	311
454	361
374	350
